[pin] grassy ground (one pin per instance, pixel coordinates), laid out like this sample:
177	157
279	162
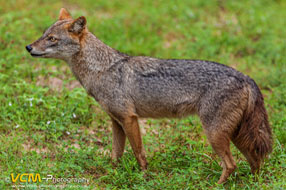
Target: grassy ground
49	125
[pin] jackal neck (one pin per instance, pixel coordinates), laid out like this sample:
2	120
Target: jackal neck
93	58
95	54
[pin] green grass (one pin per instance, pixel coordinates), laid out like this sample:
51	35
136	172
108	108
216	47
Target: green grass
48	127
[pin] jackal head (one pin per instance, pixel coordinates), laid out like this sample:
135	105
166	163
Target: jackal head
61	40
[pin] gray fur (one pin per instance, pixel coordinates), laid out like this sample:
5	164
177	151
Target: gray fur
229	103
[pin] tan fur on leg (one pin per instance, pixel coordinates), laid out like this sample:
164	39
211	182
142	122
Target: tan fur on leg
118	140
132	131
221	145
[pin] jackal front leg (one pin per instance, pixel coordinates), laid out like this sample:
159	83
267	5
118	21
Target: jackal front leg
132	131
118	140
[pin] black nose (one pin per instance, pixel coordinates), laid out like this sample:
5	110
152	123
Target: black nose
29	48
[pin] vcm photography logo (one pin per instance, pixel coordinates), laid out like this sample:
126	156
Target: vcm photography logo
26	177
31	177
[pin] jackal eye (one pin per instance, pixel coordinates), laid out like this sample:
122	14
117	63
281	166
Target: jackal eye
52	39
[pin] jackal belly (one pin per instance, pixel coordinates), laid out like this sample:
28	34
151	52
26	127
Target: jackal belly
161	107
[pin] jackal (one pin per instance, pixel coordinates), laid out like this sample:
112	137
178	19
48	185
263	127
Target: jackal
229	103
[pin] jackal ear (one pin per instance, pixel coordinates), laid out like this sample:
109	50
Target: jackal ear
64	14
78	25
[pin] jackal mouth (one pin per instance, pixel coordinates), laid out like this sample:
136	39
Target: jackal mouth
37	54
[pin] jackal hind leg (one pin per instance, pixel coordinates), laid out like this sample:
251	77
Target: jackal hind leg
220	142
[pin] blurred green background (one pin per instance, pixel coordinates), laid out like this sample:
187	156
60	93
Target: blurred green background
49	125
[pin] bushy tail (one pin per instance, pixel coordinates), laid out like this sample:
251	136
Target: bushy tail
254	137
